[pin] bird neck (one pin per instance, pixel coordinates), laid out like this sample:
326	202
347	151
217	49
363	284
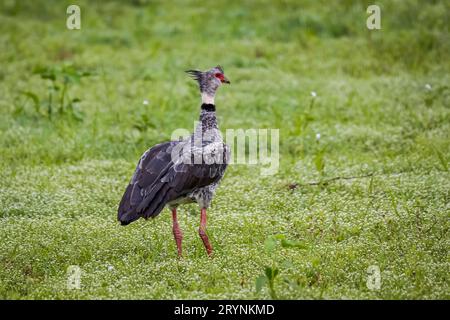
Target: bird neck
208	118
208	97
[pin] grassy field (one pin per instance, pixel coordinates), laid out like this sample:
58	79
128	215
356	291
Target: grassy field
73	125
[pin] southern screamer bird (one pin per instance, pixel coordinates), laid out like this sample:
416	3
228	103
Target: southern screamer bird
178	172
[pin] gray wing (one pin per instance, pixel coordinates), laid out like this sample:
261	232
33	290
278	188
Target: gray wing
158	180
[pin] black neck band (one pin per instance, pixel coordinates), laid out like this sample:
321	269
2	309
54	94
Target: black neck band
208	107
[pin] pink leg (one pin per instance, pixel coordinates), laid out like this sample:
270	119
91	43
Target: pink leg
177	231
202	232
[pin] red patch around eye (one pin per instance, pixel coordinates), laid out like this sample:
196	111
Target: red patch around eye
219	76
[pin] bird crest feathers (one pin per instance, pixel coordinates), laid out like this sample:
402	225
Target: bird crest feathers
197	74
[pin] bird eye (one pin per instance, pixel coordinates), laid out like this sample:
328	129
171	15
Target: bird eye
219	75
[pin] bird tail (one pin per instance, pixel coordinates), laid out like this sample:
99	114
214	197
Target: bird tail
128	218
149	208
126	213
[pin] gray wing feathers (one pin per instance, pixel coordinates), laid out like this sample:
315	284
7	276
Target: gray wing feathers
157	181
151	165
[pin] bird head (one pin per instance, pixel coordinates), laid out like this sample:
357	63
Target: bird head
209	80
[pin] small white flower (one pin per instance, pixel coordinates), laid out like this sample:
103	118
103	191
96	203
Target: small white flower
428	86
145	102
313	94
317	136
110	268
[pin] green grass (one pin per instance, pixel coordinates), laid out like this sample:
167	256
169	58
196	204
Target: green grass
62	173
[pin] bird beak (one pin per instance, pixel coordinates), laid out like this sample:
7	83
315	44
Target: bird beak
225	80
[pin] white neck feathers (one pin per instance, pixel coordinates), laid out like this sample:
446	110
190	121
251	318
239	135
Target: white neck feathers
206	98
